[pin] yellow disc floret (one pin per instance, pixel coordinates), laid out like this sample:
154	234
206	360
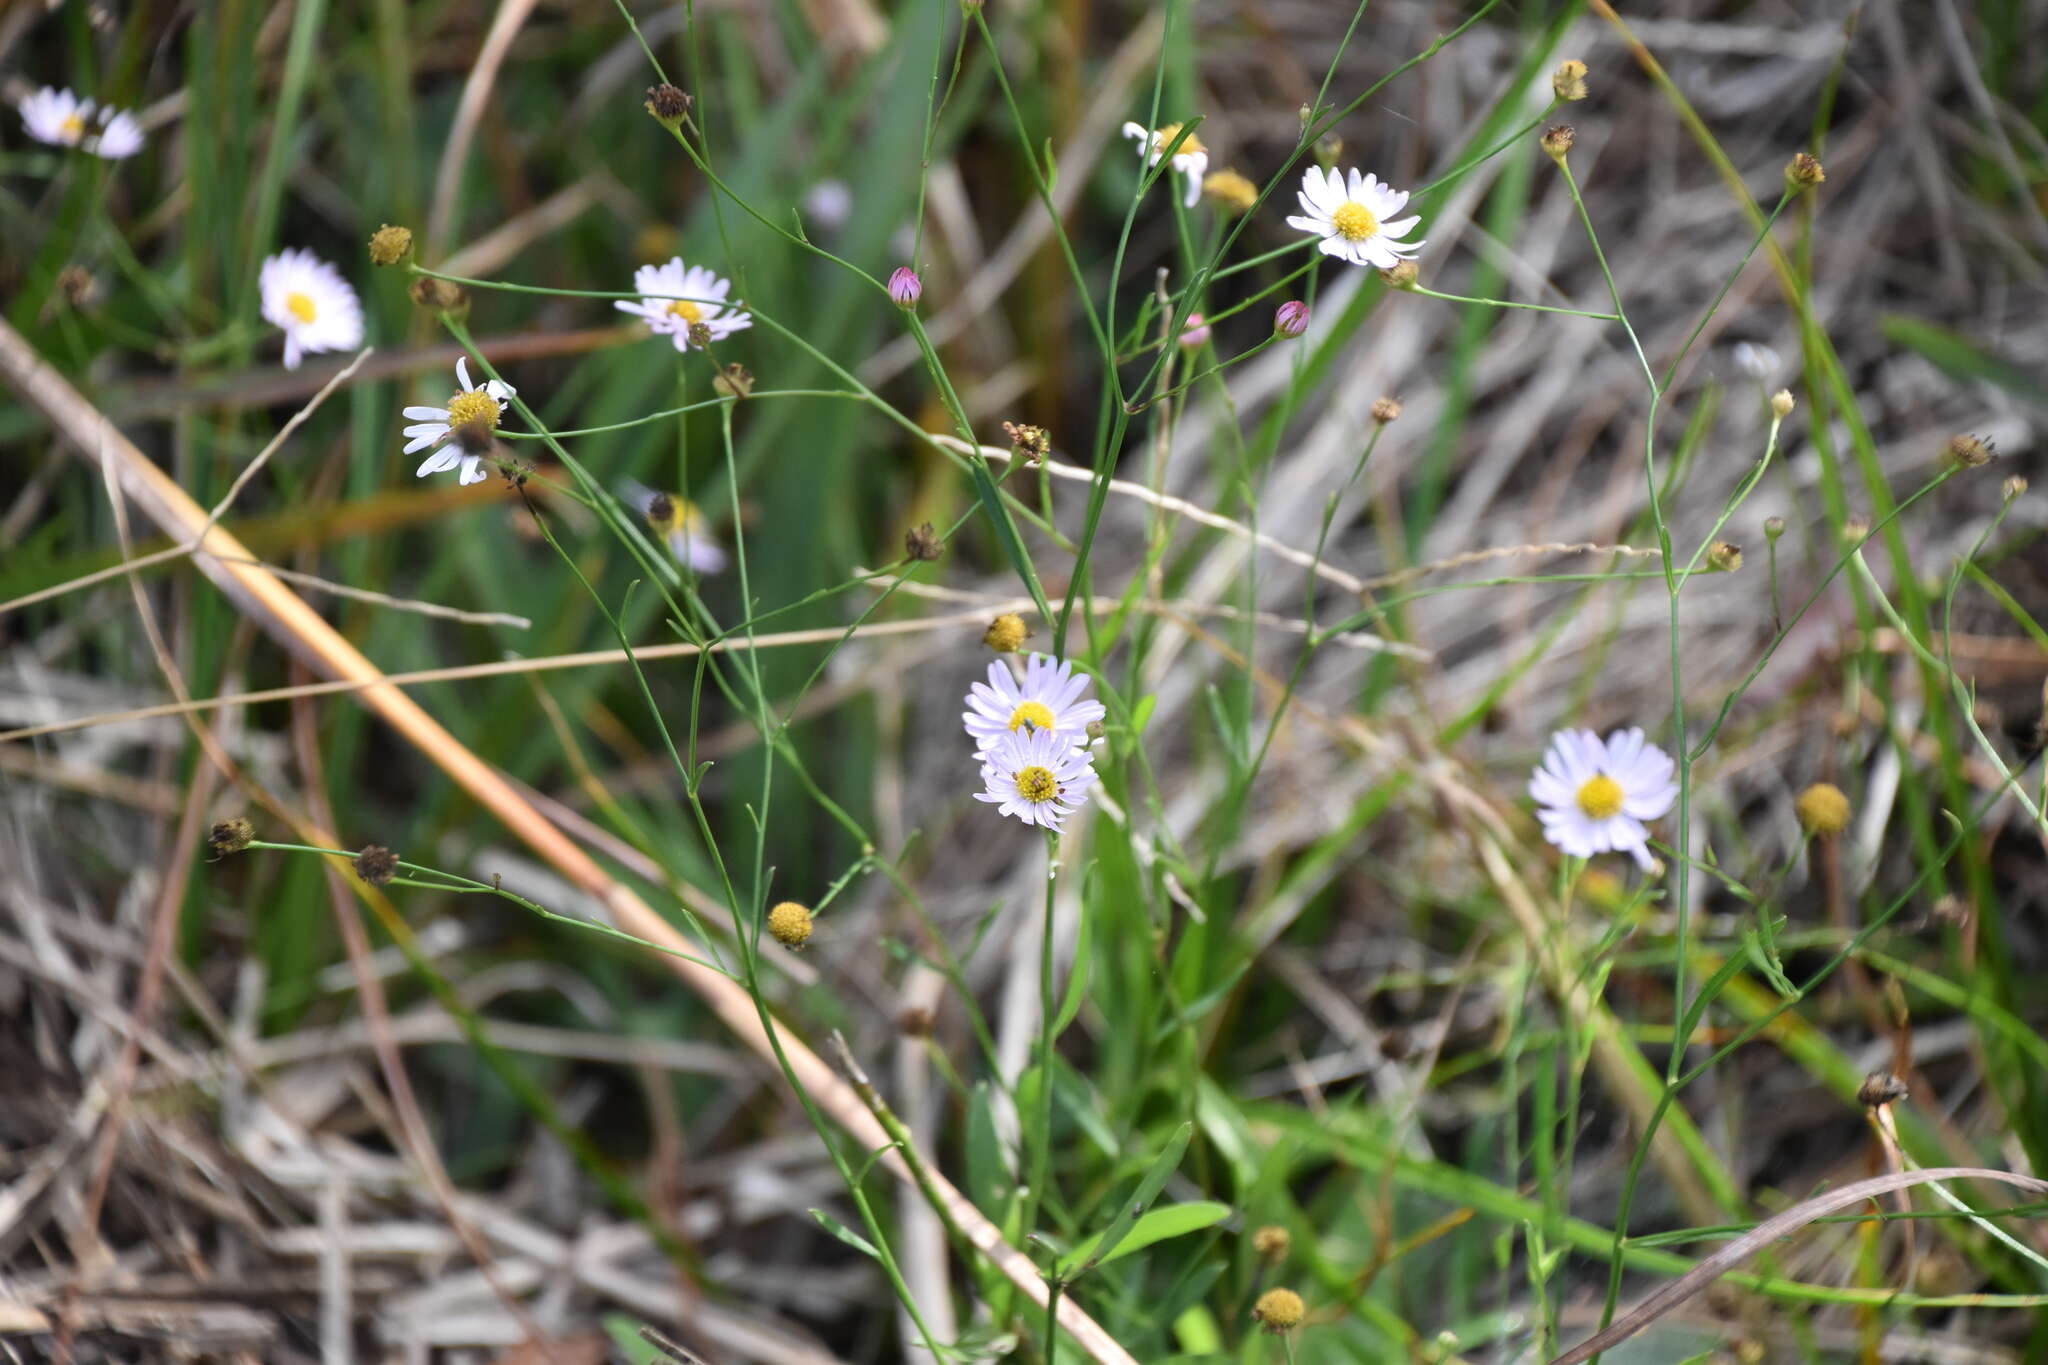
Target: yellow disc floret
1035	714
790	923
72	129
1163	139
1280	1309
301	306
472	409
1354	221
1037	785
686	310
1600	797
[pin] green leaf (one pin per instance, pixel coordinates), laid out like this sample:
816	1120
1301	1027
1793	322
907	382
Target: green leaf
1175	1220
1095	1250
845	1234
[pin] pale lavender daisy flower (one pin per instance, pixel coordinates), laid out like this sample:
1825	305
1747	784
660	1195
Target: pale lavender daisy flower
673	298
1047	701
1036	776
1593	795
464	431
62	119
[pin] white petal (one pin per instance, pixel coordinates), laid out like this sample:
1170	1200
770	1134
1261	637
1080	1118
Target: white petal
462	373
436	462
473	470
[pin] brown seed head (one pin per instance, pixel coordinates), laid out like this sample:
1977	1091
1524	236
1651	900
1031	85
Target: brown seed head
389	244
437	296
914	1021
1280	1310
921	542
1823	810
1006	634
1385	409
1969	452
376	864
735	380
2014	486
1803	173
1027	442
661	511
1557	142
230	836
790	923
1402	276
667	104
1880	1088
78	287
1568	82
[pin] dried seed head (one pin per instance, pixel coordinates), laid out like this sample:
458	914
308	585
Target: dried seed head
1402	276
1803	173
667	104
1823	810
790	923
1969	452
1280	1310
1855	529
230	836
1953	911
1724	556
661	511
77	287
1557	142
1568	82
699	335
389	244
1781	403
1230	190
1880	1088
1006	634
1272	1242
376	864
921	542
1385	409
437	296
914	1021
2014	486
1027	442
734	381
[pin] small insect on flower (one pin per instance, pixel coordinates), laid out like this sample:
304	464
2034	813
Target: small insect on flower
1190	159
1593	795
674	298
1048	699
61	119
1037	776
1354	215
465	430
681	525
309	299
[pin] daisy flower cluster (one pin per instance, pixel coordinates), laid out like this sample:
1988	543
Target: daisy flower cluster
1031	739
62	119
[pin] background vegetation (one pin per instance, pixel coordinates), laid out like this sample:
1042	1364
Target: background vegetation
1307	964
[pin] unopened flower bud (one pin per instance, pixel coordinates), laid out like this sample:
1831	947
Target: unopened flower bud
699	336
790	924
1855	529
1402	276
921	542
1196	334
1306	114
1230	190
389	244
1006	634
230	836
1724	556
438	296
1823	810
905	288
667	104
1782	404
1329	147
1557	142
1568	82
1803	173
1290	319
1385	409
1773	528
1969	452
376	864
2014	486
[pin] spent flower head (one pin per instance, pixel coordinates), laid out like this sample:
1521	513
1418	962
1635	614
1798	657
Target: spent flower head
1969	452
309	299
1190	159
676	300
1036	775
1823	810
376	865
667	104
1593	795
1006	634
1568	82
1802	172
1027	442
1049	698
1279	1310
921	542
1385	409
464	431
1724	556
230	836
1559	140
1354	215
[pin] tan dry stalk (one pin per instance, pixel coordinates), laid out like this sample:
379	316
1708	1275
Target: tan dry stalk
260	595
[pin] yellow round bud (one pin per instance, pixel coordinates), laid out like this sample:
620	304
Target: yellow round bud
1823	810
790	923
1280	1310
389	244
1006	634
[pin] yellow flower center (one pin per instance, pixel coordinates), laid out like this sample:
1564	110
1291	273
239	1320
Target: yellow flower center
300	306
686	310
1035	714
72	128
1037	785
473	409
1163	139
1600	798
1354	221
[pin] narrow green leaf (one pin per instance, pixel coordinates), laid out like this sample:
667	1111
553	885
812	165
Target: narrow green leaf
1092	1252
845	1234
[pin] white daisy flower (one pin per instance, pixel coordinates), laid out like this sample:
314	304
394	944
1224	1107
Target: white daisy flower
828	204
61	119
1354	215
1757	361
1036	776
1593	796
468	425
1049	700
672	298
1191	158
681	525
309	299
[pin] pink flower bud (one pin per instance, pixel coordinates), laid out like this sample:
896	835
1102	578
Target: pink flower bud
905	288
1291	318
1196	334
